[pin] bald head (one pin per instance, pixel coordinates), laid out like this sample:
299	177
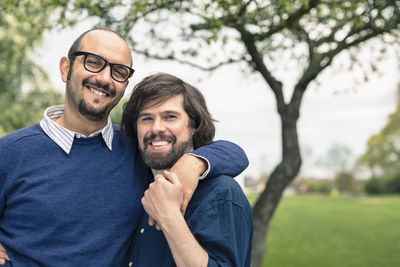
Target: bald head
103	36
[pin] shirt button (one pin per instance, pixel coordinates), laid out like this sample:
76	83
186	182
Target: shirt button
130	264
78	136
142	230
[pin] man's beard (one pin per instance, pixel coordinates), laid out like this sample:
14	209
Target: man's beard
91	113
88	112
162	161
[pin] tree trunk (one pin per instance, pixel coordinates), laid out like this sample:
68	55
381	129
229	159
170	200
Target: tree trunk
280	178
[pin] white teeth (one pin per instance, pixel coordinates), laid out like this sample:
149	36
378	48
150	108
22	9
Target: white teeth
97	92
160	143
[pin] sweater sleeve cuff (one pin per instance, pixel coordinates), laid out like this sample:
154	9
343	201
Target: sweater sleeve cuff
204	175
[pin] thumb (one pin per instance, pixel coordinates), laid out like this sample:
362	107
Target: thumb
172	177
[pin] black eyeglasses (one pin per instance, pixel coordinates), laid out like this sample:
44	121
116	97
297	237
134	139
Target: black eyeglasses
95	64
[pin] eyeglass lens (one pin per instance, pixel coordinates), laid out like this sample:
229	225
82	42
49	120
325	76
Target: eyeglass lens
118	72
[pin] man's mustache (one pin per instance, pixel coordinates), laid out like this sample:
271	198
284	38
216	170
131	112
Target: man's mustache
98	84
160	136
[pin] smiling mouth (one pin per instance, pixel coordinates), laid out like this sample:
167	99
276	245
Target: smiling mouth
97	91
159	143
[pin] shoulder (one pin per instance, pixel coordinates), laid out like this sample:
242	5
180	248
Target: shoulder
120	136
21	142
17	143
21	135
116	128
216	192
222	188
219	208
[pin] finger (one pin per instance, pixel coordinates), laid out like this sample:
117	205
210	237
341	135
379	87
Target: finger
151	221
3	253
158	227
172	177
158	177
5	256
2	261
143	200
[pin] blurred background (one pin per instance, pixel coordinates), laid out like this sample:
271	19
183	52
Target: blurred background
339	60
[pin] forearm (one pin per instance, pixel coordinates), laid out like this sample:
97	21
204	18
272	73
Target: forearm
184	247
189	165
162	202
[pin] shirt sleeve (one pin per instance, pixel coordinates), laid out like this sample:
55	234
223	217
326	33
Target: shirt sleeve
223	158
7	161
225	232
3	176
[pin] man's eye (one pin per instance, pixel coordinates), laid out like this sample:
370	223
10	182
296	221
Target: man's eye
170	117
93	62
146	119
120	71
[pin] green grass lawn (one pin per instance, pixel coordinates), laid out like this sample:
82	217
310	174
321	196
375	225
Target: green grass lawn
338	232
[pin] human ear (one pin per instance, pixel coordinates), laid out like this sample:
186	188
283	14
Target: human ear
64	68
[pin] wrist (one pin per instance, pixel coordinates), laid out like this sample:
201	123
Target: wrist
199	164
172	221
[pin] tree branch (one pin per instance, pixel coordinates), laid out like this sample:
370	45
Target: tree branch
197	66
257	59
291	20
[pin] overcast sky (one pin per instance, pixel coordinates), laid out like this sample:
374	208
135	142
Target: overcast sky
246	110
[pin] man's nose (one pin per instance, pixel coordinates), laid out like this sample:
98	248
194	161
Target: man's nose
105	75
158	125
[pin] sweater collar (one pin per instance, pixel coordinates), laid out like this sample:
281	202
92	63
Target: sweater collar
63	137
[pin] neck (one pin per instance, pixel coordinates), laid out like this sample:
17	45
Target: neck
155	172
79	123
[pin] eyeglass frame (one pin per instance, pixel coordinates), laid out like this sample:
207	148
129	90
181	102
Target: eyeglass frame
86	54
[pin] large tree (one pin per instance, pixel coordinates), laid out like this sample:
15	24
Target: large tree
208	34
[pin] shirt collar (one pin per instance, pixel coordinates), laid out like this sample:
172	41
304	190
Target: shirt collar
63	137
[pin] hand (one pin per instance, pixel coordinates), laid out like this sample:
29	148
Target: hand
189	168
163	199
3	255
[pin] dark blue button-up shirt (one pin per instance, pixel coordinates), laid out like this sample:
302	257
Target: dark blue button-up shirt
218	215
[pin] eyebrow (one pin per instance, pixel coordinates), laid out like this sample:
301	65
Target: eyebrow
163	113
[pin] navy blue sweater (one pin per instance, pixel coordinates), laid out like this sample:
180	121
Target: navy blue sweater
67	210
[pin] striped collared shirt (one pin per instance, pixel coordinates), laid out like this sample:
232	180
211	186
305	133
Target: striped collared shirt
63	137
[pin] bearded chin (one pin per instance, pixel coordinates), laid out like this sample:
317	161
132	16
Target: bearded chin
92	114
164	162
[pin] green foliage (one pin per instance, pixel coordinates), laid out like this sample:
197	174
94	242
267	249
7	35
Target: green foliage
345	182
319	186
388	184
116	113
311	185
382	155
27	109
321	231
374	186
22	24
393	183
